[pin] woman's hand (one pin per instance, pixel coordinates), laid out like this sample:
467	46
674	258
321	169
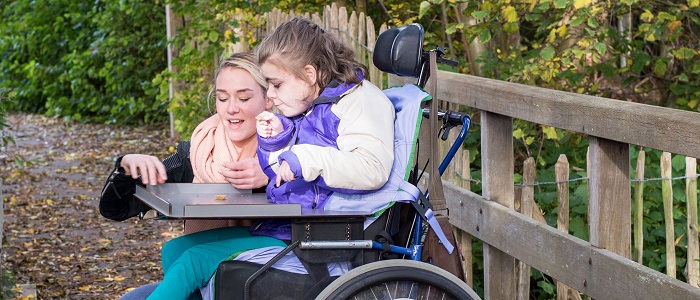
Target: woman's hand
150	168
244	174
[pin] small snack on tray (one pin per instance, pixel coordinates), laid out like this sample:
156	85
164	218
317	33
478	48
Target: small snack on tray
220	197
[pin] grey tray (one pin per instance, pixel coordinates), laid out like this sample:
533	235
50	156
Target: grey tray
199	201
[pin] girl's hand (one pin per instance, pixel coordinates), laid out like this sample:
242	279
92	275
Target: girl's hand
268	125
284	173
150	168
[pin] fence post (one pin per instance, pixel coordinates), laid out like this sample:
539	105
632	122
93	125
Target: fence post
691	191
172	23
610	207
465	238
639	207
497	173
667	195
527	203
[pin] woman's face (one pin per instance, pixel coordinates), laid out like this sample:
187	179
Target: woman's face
238	100
290	94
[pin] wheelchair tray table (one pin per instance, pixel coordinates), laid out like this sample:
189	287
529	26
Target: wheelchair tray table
201	201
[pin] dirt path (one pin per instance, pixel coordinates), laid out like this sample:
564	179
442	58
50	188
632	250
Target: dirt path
54	236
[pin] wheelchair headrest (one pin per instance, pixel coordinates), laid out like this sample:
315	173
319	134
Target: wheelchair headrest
399	50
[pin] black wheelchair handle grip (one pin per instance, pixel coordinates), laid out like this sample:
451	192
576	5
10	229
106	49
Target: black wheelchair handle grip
453	118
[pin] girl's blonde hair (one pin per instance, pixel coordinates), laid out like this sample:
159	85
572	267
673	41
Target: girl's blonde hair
300	42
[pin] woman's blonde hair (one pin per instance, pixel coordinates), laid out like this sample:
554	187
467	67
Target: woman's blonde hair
246	61
300	42
242	60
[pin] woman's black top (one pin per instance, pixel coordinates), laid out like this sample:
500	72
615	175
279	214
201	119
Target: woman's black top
118	202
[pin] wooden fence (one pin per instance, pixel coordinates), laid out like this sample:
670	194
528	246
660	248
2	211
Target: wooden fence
600	267
513	241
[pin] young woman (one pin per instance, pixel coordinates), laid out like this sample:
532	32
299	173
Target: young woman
222	149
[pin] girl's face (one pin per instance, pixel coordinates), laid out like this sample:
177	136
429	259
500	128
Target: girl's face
238	100
290	94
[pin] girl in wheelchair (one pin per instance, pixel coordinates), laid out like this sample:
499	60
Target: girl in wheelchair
335	133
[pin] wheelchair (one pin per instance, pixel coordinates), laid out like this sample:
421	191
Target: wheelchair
385	256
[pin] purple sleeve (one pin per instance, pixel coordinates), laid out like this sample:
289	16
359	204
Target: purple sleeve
279	141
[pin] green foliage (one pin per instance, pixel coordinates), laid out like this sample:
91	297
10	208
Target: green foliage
576	46
86	61
7	282
207	38
5	137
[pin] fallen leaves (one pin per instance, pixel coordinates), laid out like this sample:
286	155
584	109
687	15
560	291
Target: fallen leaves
54	237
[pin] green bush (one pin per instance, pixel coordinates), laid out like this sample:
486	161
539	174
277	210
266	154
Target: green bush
7	282
203	42
84	60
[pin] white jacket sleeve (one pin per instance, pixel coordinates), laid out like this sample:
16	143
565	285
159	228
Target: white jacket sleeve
365	151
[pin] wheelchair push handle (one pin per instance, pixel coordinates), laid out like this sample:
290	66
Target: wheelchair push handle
425	64
453	118
441	60
450	119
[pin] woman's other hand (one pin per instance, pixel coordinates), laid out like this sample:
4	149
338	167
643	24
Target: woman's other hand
150	168
244	174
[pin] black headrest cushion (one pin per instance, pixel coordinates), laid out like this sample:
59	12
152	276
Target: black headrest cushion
399	50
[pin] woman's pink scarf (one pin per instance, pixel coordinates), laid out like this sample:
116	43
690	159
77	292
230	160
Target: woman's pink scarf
210	147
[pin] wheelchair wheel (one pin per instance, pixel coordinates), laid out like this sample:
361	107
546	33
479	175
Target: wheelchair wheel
398	279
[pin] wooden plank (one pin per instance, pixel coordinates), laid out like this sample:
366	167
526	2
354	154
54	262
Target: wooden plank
333	29
497	176
327	18
656	127
317	19
465	239
527	204
361	38
437	199
609	209
343	32
561	173
639	208
691	191
172	24
596	272
352	31
371	40
667	197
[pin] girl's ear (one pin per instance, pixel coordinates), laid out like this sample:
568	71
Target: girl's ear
311	74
